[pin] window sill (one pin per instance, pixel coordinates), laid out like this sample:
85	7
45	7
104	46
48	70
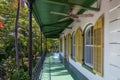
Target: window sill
88	68
73	59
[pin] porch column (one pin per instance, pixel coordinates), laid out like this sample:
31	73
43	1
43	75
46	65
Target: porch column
30	39
46	45
41	41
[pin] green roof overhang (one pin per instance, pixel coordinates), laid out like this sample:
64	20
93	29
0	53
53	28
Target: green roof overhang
49	22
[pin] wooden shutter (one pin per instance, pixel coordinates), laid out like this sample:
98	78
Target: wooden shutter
98	46
78	45
69	44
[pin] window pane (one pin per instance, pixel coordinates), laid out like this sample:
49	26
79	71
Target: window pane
87	37
91	38
73	46
89	47
88	55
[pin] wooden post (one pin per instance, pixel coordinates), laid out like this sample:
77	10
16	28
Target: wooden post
46	45
30	39
16	36
41	41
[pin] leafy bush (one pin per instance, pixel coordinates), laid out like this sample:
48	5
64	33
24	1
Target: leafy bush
21	75
2	71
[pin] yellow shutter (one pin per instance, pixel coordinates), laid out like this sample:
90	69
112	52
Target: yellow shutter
68	47
69	44
98	46
78	45
80	49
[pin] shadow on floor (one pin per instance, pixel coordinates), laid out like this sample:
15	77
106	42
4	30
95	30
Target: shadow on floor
61	74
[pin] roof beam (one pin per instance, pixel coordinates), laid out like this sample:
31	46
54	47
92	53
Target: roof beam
69	3
48	34
56	31
52	36
52	2
68	27
53	31
57	22
56	27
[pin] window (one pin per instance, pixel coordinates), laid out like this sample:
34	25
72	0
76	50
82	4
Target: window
93	46
60	44
73	46
78	45
67	46
65	55
88	46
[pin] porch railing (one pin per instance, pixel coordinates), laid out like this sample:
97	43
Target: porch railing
2	73
38	68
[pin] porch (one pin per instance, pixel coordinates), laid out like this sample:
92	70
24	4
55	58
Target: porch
57	70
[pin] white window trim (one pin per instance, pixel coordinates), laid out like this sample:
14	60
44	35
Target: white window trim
88	45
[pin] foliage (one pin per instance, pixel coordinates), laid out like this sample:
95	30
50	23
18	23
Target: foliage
7	41
53	44
2	71
21	74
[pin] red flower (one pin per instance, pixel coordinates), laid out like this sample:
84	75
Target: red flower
1	25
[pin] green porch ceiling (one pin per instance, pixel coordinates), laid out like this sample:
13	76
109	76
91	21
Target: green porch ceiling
49	22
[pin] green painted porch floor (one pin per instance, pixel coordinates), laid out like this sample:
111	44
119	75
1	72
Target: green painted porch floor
55	70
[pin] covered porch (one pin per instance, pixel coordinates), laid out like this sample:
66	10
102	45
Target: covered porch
83	33
53	17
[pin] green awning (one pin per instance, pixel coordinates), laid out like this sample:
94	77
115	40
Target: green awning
49	22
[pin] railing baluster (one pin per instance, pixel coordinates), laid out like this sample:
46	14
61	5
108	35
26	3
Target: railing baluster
38	68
